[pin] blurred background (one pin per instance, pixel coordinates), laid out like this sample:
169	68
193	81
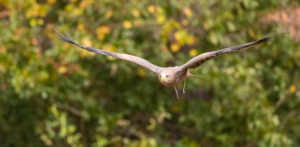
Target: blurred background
55	94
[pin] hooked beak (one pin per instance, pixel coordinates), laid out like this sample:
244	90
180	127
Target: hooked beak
162	78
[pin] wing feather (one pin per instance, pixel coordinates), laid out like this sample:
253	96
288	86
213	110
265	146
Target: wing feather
200	59
131	58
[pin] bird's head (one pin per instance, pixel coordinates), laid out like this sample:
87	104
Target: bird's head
167	77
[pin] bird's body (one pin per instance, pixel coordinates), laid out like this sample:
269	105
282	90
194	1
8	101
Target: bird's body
171	76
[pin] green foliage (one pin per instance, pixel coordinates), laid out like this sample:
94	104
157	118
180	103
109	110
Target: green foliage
54	94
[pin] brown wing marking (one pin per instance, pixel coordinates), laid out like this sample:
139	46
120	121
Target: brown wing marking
200	59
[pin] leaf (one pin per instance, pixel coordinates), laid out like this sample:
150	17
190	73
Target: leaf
193	52
62	69
127	24
188	12
175	47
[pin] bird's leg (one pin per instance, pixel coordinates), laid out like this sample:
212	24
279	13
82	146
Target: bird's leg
192	75
176	92
184	86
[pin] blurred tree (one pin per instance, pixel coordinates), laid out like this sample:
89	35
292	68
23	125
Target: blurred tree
54	94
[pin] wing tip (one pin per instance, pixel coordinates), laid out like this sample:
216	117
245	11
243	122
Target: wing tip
65	37
278	33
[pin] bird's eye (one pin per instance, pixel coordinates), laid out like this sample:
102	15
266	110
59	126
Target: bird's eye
160	76
167	76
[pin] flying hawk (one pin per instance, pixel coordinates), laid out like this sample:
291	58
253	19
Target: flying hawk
171	76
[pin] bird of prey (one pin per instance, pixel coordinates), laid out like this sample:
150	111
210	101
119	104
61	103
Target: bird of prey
171	76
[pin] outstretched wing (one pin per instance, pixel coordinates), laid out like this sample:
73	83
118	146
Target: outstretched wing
131	58
198	60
